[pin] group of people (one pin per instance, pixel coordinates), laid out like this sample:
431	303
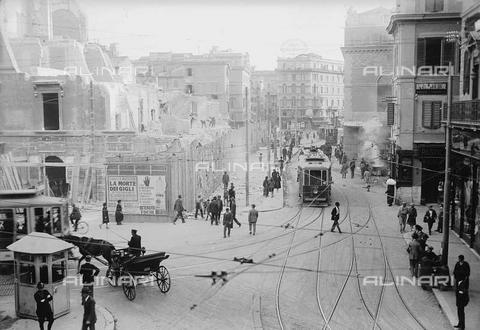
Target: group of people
346	166
271	183
408	215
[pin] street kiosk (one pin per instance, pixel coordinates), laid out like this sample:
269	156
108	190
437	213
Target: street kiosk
40	257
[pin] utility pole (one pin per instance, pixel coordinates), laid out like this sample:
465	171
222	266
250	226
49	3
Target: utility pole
446	186
247	156
269	131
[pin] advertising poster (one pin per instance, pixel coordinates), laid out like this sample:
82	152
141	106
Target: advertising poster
140	194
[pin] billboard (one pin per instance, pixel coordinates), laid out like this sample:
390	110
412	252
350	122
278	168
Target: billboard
140	194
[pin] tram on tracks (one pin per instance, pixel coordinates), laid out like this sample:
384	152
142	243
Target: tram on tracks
314	176
26	211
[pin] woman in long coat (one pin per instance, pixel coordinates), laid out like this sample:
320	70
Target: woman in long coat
119	213
105	218
412	216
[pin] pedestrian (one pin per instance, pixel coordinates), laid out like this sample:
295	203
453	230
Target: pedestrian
281	161
391	183
119	213
178	208
284	152
213	210
105	218
75	217
430	218
440	192
402	217
414	253
233	210
225	180
362	168
199	206
271	186
367	174
89	315
231	192
220	208
206	209
344	170
440	219
422	237
426	264
462	300
265	187
412	216
88	272
135	244
44	310
227	223
335	217
461	272
252	220
277	181
260	158
352	168
290	152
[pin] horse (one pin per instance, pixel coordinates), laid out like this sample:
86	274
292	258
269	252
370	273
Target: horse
91	246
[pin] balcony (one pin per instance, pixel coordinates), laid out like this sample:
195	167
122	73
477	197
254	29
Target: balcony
466	113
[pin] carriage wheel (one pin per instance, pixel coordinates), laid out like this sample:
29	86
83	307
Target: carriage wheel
128	286
163	279
111	276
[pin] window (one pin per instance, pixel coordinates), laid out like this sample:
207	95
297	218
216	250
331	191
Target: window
302	102
431	114
433	5
434	52
58	271
27	274
51	112
21	221
189	72
284	89
189	89
302	89
294	77
294	88
294	102
6	228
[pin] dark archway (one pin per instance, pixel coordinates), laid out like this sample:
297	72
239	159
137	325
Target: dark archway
56	177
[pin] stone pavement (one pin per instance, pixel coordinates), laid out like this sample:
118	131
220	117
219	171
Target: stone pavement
72	320
457	246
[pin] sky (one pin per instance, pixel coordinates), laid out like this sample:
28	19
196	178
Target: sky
262	28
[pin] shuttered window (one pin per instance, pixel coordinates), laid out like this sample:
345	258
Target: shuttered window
432	114
435	52
466	72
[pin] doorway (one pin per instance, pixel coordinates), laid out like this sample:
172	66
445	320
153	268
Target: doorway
56	177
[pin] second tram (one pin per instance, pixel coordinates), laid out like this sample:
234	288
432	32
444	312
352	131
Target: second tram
315	179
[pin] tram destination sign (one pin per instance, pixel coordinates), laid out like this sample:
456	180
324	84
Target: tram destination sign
438	88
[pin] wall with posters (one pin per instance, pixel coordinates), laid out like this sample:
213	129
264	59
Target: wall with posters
141	187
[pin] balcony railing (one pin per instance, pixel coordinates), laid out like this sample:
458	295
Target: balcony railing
466	111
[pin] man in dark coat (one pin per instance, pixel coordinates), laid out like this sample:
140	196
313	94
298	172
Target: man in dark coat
231	192
227	223
44	310
462	299
336	217
213	210
430	218
284	153
422	237
461	272
265	187
220	208
105	218
414	253
225	180
352	168
89	315
75	217
88	272
233	210
119	213
135	244
178	208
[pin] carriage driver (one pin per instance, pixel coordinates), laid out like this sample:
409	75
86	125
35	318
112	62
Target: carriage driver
135	244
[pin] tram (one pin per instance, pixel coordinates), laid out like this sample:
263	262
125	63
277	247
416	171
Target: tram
314	176
25	211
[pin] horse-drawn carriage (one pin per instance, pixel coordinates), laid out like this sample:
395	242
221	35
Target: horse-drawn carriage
129	271
125	267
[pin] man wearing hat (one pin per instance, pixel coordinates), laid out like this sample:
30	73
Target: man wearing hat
89	272
135	244
44	310
89	315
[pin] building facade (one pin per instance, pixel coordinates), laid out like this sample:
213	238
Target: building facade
310	91
465	123
421	58
368	55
